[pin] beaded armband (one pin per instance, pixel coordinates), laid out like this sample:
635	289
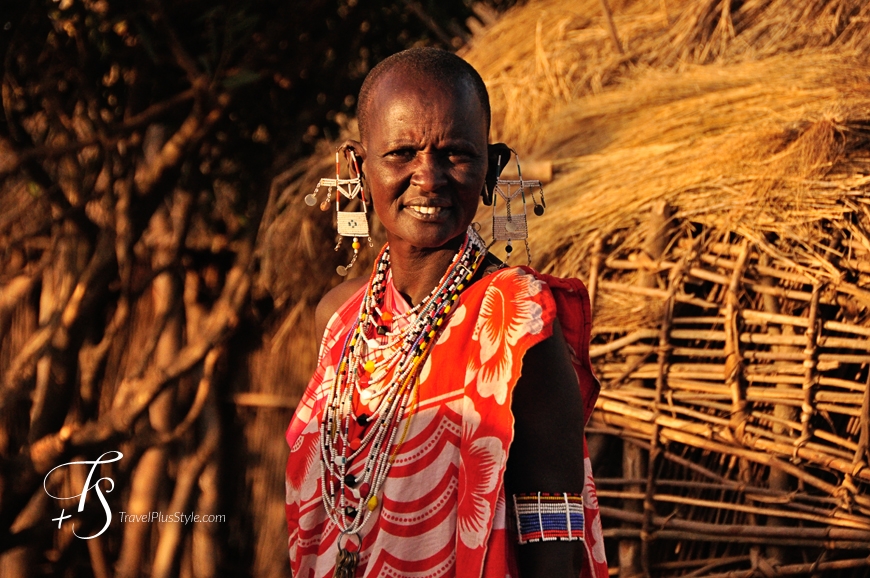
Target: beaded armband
545	517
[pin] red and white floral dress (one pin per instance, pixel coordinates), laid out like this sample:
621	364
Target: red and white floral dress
442	511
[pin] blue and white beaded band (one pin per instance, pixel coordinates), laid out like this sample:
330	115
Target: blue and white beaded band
544	517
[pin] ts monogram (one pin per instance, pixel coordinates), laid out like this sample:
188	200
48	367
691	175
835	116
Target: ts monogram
88	486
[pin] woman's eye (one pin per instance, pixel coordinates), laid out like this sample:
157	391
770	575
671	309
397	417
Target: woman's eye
459	154
402	154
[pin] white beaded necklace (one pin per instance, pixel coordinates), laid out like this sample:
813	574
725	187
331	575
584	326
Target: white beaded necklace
412	346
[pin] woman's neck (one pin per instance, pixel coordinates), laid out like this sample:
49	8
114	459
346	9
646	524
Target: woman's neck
417	271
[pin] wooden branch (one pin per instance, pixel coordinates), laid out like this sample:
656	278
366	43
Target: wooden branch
648	417
29	522
172	154
12	292
763	317
203	390
54	332
14	214
712	421
157	110
827	361
146	481
162	318
862	451
841	286
817	568
849	536
754	493
135	395
595	269
182	58
637	335
725	505
794	499
849	289
767	339
705	564
761	451
264	400
22	366
205	536
169	545
733	374
657	293
699	536
635	463
810	361
692	466
630	370
92	358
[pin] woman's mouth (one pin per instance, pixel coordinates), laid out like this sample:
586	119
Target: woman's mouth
426	212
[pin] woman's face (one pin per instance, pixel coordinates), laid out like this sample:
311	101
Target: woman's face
425	158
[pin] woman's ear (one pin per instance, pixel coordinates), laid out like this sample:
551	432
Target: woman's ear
355	153
355	147
498	156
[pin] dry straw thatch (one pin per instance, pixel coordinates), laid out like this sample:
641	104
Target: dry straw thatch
711	186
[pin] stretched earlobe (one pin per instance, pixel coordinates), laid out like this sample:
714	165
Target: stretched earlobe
498	156
355	153
354	147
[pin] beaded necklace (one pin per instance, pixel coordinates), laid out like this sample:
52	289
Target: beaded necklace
338	449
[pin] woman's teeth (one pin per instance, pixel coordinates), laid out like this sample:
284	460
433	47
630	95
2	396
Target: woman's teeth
426	210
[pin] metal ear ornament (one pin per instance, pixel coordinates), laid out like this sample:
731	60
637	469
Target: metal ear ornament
352	224
512	226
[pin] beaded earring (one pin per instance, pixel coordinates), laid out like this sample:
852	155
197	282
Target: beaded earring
352	224
512	226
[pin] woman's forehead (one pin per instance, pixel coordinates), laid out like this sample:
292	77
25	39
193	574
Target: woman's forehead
420	86
416	92
408	106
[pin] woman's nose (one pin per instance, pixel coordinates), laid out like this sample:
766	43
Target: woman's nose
429	172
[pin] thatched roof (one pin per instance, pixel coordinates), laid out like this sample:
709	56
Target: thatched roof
756	122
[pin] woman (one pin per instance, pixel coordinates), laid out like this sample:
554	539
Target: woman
439	366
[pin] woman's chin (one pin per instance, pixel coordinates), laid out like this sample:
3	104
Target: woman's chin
427	233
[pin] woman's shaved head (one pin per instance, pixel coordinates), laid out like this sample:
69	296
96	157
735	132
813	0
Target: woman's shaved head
422	65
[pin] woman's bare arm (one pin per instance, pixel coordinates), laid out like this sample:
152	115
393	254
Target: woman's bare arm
547	452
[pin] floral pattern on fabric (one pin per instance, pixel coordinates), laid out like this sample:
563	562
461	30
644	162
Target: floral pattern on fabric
443	505
507	314
594	541
478	478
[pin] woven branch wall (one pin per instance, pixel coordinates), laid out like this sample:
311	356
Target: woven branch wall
746	381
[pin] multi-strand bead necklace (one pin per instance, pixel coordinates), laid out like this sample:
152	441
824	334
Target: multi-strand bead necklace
390	385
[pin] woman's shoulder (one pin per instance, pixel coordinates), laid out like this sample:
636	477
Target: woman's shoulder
563	289
515	278
509	295
515	290
334	299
